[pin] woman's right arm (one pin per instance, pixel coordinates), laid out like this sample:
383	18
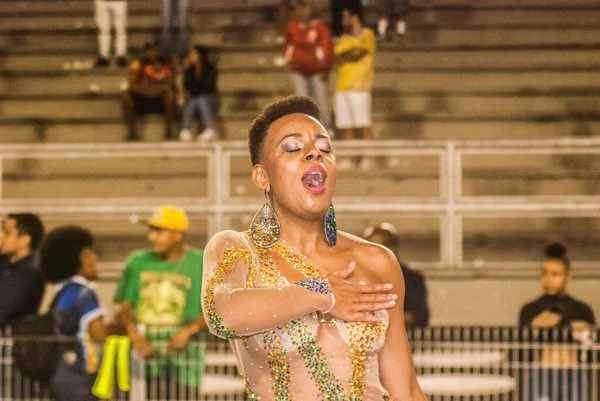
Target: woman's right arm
232	308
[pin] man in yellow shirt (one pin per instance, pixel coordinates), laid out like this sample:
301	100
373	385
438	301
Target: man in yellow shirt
354	53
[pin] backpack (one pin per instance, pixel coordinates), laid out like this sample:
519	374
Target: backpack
33	356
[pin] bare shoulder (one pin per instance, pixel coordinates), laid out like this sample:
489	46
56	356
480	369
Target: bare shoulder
376	258
228	238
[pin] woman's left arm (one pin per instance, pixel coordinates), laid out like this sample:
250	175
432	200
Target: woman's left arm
396	368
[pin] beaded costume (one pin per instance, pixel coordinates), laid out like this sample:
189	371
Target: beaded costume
283	357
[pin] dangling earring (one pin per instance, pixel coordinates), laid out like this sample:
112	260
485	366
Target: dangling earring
265	229
330	226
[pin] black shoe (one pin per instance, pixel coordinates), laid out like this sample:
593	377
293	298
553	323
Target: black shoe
101	63
121	62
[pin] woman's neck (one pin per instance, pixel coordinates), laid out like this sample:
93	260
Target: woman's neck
306	236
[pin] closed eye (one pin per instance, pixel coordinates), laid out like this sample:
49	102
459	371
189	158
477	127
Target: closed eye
325	150
293	150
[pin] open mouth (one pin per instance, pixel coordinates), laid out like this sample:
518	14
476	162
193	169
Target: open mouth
314	179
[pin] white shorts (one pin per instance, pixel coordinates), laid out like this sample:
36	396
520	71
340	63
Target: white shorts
352	109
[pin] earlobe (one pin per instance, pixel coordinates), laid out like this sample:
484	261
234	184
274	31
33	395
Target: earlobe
260	177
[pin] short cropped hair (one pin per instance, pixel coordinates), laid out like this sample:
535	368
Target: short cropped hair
29	224
272	112
61	251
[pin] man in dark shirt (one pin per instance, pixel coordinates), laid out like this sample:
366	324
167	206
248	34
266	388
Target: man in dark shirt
21	282
416	309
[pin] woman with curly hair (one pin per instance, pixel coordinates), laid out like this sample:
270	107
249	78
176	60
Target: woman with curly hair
67	259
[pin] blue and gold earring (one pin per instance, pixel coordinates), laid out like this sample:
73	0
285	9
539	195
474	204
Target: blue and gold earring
330	226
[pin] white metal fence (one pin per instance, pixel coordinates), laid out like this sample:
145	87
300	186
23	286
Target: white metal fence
452	364
205	371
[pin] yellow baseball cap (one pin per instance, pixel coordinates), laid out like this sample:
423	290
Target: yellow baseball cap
167	217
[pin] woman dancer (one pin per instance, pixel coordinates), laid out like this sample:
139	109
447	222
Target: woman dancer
311	313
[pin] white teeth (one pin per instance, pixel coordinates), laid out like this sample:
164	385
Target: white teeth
317	174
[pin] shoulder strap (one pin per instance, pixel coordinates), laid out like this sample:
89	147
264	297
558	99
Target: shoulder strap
57	297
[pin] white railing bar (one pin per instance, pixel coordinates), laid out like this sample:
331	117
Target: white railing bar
400	204
529	151
559	143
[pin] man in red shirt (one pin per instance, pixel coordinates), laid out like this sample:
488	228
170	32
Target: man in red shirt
151	91
308	51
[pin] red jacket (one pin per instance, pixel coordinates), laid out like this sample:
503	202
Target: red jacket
308	48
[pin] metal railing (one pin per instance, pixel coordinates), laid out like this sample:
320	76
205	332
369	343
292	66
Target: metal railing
452	182
204	371
452	363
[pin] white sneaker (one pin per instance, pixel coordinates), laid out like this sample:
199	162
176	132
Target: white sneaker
345	164
207	135
367	163
185	135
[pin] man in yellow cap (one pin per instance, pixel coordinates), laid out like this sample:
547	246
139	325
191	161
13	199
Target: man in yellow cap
158	302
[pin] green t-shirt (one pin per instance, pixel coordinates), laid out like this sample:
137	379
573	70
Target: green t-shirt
166	295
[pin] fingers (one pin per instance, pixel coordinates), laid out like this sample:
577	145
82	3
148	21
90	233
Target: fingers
375	288
374	306
377	298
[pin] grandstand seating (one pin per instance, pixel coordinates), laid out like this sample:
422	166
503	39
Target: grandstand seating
491	69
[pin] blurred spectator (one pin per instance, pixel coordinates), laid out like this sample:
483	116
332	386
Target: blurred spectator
393	10
68	259
175	41
308	55
354	53
21	282
555	307
115	11
336	8
416	309
200	76
159	295
558	376
151	91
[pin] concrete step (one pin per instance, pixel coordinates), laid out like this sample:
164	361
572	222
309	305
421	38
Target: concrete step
428	107
103	131
202	20
420	38
17	7
104	177
387	59
134	6
118	187
489	83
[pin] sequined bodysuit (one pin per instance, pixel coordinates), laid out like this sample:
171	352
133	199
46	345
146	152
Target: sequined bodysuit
285	357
